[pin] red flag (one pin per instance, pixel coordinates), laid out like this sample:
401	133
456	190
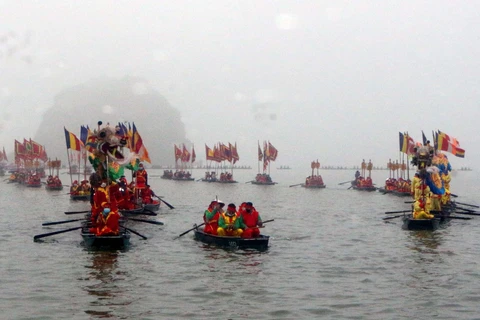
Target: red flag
272	151
210	155
178	152
260	153
235	156
185	154
194	156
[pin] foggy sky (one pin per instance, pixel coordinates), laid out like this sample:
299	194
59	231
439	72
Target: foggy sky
329	80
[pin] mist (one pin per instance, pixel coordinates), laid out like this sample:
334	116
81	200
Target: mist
329	80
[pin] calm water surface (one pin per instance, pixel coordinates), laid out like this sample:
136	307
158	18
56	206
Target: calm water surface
331	256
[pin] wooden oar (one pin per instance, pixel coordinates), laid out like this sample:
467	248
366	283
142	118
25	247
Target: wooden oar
453	217
168	204
133	231
344	182
249	181
182	234
453	195
401	211
294	185
388	218
60	222
468	205
469	213
147	221
63	194
464	209
39	236
76	212
266	221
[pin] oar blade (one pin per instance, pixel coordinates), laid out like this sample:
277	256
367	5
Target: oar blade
40	236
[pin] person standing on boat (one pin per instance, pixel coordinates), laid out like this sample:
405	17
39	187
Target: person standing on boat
212	215
229	223
108	223
100	199
141	177
147	194
251	220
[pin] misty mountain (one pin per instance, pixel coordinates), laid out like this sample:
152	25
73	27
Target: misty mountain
111	101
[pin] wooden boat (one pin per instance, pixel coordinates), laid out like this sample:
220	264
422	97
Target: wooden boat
313	186
441	218
80	197
364	188
120	241
227	181
260	243
384	191
208	180
154	206
53	187
133	212
33	184
401	193
183	178
264	183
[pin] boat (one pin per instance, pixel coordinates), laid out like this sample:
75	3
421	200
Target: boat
313	186
80	197
113	242
440	219
167	174
181	173
314	181
266	156
54	182
134	212
53	187
363	188
284	168
260	243
154	206
221	154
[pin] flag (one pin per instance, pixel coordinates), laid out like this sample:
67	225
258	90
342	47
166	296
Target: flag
19	150
177	152
273	152
210	155
260	154
185	155
449	144
28	148
194	156
228	152
84	133
410	144
72	141
424	138
138	146
235	156
403	142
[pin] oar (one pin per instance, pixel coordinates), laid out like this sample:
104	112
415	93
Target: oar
453	195
75	212
138	234
468	205
453	217
401	211
182	234
62	194
147	221
469	213
294	185
266	221
199	179
350	187
60	222
168	204
344	182
249	181
39	236
464	209
388	218
147	212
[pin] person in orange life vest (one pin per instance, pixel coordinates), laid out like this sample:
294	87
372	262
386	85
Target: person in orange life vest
229	223
212	215
100	198
142	177
251	220
109	221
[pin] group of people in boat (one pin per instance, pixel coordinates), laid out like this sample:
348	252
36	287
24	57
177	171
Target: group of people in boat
82	189
244	222
263	178
182	174
210	176
362	182
53	181
400	185
314	180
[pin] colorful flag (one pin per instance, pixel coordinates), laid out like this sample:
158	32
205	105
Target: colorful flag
177	152
210	155
4	155
138	146
424	138
449	144
235	155
72	141
185	155
402	142
273	152
260	153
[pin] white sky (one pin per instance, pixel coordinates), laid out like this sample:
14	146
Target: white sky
333	80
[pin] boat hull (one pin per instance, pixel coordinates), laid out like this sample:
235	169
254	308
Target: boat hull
53	188
155	206
364	188
183	179
420	224
80	197
91	240
263	183
318	186
260	243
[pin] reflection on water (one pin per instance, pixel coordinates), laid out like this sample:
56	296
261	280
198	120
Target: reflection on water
104	278
425	241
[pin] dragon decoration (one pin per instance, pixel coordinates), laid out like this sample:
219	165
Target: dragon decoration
106	146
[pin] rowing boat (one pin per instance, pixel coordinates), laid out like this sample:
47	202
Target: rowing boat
154	206
264	183
364	188
80	197
313	186
260	243
120	241
440	219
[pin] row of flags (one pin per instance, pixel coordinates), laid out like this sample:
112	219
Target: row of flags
28	150
88	140
268	154
442	141
222	152
183	154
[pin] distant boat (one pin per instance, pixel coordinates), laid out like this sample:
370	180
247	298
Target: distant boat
284	168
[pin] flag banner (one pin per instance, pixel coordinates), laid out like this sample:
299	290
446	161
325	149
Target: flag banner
210	155
273	152
194	156
72	141
424	138
185	155
178	152
235	155
449	144
260	153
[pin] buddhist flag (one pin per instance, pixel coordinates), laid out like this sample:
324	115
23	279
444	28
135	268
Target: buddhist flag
72	141
449	144
138	146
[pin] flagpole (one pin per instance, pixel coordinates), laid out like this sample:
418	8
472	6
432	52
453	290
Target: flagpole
258	161
69	168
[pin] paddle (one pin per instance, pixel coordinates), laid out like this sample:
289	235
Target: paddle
388	218
148	212
138	234
168	204
199	179
464	209
344	182
401	211
62	194
76	212
39	236
266	221
468	205
469	213
294	185
452	217
249	181
350	187
182	234
60	222
147	221
453	195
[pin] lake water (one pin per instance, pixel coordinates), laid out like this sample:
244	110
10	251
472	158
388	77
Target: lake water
331	256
